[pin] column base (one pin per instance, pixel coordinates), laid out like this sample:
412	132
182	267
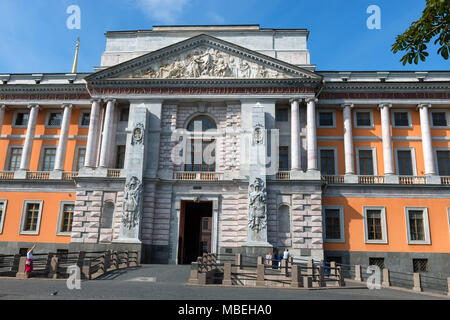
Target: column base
433	179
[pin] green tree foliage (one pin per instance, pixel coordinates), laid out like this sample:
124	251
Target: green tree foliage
434	22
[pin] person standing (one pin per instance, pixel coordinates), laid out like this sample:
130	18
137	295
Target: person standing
269	259
286	254
29	262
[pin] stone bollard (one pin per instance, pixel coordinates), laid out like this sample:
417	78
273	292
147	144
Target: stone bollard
340	275
295	277
80	259
310	270
307	282
53	272
448	287
238	261
333	270
86	269
193	275
21	269
386	278
259	260
417	285
260	276
102	265
16	261
227	274
358	274
107	260
284	266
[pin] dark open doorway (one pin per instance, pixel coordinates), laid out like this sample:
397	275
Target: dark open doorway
195	230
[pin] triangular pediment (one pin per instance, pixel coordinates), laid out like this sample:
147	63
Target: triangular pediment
203	57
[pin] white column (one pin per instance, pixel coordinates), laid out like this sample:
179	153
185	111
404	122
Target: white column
107	133
29	138
387	139
428	154
295	135
311	134
63	136
2	115
93	136
348	139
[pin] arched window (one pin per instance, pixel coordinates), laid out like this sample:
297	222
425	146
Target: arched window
284	219
202	155
107	215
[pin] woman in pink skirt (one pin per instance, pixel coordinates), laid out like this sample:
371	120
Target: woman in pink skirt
29	263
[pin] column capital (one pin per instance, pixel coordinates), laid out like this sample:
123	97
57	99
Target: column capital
111	100
311	99
344	105
66	105
423	105
96	100
382	105
294	100
3	107
32	106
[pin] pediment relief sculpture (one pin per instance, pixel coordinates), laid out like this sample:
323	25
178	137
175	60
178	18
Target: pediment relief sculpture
204	62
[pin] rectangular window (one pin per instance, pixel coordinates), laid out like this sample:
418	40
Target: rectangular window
416	225
284	158
326	119
31	216
420	265
2	214
379	262
49	159
405	166
327	164
15	156
366	162
67	218
374	231
85	118
22	119
81	155
54	119
124	112
439	118
282	114
334	224
443	160
401	119
120	157
363	119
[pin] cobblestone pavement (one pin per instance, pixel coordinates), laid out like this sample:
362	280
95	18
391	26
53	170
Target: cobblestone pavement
167	282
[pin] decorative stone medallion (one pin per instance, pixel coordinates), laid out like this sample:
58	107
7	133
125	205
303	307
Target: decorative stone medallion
138	134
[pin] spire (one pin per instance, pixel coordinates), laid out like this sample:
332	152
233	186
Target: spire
75	60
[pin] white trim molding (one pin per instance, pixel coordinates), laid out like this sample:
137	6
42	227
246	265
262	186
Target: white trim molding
22	220
355	120
426	226
60	218
2	218
384	239
341	224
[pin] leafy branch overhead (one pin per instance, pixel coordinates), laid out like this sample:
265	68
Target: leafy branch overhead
434	22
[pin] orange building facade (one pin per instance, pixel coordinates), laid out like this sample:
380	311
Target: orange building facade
363	158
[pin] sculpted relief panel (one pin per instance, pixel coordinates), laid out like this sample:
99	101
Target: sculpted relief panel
205	62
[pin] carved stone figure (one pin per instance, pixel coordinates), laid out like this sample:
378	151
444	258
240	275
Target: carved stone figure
204	62
257	205
131	203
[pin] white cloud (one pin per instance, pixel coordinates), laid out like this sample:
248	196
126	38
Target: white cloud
166	11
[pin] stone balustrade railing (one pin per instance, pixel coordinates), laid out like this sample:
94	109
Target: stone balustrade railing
113	173
38	175
334	179
412	180
6	175
445	180
370	179
283	175
202	176
69	175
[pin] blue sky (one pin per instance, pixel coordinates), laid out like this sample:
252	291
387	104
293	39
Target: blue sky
34	36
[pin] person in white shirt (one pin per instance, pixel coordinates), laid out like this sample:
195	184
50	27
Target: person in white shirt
286	254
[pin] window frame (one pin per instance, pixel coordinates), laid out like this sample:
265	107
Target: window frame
384	239
42	157
16	112
436	158
447	116
426	226
277	108
288	159
75	158
288	206
394	126
2	218
335	150
413	159
8	157
355	120
333	111
374	159
38	222
80	119
61	218
341	224
47	118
